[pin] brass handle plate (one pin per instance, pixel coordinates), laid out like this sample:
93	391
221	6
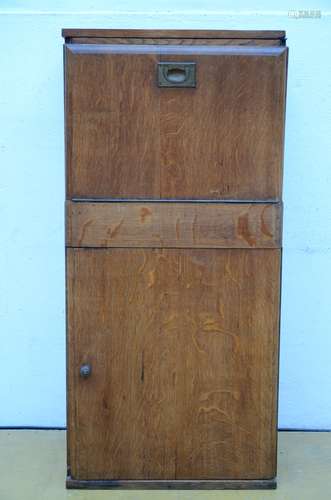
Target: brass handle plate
176	74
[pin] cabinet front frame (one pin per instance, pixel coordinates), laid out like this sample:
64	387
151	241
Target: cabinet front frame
250	225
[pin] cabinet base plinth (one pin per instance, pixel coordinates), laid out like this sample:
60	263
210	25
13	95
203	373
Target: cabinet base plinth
212	484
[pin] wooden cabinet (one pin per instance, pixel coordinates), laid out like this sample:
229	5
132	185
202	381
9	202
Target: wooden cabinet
174	152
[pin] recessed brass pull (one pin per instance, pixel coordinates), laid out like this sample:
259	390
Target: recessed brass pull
174	74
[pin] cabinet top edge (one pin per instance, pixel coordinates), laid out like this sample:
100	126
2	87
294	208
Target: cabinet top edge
135	33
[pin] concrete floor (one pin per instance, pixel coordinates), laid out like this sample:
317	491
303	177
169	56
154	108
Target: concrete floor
32	467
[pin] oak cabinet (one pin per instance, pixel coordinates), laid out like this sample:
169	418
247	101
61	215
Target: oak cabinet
174	154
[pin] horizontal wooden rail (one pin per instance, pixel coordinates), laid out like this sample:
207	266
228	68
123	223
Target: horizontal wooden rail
173	225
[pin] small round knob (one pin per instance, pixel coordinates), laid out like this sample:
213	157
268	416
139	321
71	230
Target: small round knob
85	370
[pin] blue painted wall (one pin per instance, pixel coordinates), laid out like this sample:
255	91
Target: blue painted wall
32	319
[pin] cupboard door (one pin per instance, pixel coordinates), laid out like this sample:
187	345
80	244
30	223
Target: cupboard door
129	138
183	350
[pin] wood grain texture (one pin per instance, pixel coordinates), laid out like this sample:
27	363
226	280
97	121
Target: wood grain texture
120	33
179	41
128	138
227	484
175	304
174	225
184	352
110	126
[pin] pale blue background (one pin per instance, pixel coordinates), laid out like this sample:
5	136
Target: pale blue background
32	382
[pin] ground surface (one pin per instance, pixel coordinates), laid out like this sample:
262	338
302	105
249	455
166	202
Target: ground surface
32	465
